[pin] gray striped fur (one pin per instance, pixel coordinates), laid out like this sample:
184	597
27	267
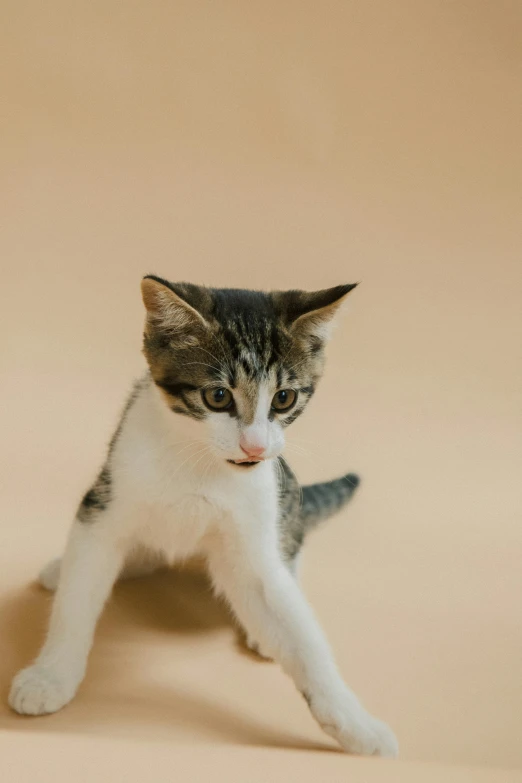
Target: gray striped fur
302	508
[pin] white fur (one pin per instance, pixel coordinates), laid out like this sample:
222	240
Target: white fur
174	494
226	436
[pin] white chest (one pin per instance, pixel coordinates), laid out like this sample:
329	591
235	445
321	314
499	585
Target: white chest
178	529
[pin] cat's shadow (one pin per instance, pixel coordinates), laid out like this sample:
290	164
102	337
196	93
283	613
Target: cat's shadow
171	602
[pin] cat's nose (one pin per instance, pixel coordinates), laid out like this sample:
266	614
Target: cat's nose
252	448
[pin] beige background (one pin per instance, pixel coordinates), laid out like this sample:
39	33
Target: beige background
275	144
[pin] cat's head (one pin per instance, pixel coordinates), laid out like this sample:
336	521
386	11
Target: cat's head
243	364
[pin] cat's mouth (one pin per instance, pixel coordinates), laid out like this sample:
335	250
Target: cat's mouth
244	463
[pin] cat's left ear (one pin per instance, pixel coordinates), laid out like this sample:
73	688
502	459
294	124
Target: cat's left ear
174	308
310	314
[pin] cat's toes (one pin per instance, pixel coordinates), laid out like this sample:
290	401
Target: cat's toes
50	575
386	744
354	729
368	737
37	691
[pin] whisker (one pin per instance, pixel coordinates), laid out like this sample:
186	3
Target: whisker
206	472
225	363
298	448
205	452
204	364
295	450
176	472
184	448
297	364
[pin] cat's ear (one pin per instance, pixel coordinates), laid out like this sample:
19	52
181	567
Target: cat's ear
311	313
173	307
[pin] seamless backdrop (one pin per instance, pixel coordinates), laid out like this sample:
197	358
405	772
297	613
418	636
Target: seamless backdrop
275	145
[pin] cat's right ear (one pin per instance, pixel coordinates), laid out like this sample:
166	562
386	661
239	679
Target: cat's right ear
167	311
310	313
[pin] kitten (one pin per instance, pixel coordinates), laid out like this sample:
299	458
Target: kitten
194	467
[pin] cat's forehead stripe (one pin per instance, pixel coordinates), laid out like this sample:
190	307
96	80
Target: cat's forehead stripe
254	349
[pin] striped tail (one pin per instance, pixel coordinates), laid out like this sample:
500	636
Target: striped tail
320	501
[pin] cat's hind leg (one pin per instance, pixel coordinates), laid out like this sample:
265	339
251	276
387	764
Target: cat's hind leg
94	556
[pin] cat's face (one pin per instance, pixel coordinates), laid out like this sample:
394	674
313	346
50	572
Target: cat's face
242	365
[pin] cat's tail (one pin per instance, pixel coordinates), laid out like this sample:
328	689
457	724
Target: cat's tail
320	501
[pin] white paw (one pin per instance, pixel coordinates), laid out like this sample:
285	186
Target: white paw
357	731
37	691
367	737
50	575
386	744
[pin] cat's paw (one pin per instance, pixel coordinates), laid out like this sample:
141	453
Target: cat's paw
385	743
357	731
37	690
50	575
367	737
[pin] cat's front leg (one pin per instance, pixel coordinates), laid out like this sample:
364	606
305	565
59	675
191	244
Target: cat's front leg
253	645
91	563
247	568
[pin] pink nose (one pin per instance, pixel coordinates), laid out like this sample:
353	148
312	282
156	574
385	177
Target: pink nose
251	449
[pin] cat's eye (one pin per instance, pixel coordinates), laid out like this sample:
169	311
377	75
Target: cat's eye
218	399
283	400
